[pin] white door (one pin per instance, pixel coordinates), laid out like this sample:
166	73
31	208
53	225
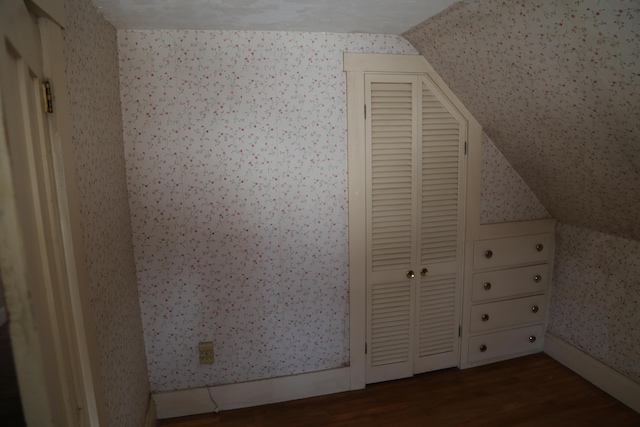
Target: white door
34	252
415	221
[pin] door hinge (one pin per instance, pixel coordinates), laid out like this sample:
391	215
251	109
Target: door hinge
46	97
365	111
465	148
365	348
459	330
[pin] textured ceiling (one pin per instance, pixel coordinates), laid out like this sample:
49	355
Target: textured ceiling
556	86
336	16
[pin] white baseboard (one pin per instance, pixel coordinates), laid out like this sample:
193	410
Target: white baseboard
3	315
151	420
611	381
181	403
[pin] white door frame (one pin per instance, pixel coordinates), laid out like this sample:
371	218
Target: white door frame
356	65
53	333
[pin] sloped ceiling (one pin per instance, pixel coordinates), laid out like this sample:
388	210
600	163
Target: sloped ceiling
335	16
556	86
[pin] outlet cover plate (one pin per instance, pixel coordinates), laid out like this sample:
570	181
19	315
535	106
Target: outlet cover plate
205	350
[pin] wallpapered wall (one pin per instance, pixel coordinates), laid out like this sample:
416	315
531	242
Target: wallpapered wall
236	162
595	303
556	86
504	195
90	48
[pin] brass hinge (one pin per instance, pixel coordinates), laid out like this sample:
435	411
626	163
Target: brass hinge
365	348
365	111
46	97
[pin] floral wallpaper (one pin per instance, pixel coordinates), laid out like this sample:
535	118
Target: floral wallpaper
595	299
90	49
504	195
556	86
236	161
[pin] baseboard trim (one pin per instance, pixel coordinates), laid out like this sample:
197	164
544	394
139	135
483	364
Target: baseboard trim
611	381
181	403
151	420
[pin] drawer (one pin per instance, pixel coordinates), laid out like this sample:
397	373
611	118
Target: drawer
504	314
494	253
509	283
506	343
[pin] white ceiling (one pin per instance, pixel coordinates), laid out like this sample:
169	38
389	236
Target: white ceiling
335	16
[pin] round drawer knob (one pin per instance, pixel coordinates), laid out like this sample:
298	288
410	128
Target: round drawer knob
534	309
488	254
532	338
410	274
487	286
485	317
539	247
483	348
537	278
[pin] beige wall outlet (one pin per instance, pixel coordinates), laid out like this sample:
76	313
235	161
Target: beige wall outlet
205	350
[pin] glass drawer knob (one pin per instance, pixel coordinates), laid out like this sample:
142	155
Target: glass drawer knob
487	286
485	317
539	247
534	309
483	348
532	339
537	278
488	254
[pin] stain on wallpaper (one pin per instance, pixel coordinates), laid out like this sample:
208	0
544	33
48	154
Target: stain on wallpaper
90	48
504	195
236	162
595	289
556	86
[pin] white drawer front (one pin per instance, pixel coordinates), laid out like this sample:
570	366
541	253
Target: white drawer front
511	251
501	344
508	313
511	282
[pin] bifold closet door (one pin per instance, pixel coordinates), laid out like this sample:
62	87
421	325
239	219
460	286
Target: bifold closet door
413	227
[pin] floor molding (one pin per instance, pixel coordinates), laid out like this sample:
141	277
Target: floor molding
611	381
151	419
181	403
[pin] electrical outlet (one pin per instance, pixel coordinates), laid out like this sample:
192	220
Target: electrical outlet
205	350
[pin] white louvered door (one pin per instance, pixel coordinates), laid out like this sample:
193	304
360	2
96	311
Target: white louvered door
414	157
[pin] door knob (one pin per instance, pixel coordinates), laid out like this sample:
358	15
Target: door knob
410	274
424	272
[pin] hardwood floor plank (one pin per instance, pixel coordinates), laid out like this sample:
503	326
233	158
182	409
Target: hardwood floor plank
530	391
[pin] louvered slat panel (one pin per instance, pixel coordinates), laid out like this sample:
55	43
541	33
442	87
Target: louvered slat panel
391	175
440	152
436	315
390	323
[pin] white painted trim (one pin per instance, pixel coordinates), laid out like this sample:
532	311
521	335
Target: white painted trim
3	315
386	63
181	403
151	420
516	228
609	380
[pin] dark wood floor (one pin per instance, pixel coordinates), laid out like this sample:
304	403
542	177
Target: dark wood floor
529	391
10	405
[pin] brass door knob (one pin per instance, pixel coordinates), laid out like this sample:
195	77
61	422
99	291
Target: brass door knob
534	309
532	339
410	274
487	286
424	272
483	348
537	278
539	247
485	317
488	254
